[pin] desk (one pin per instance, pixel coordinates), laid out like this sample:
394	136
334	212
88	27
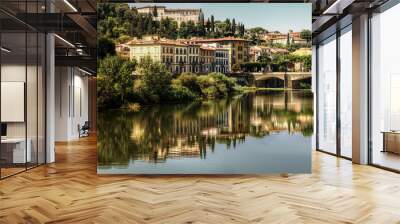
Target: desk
15	148
391	141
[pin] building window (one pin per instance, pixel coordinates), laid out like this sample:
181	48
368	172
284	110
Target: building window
385	89
346	92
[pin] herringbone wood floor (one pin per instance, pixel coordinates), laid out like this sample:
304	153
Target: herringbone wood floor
69	191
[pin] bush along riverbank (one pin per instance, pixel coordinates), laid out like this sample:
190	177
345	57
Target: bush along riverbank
154	84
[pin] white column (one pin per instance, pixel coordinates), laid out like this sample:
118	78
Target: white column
50	99
360	90
62	103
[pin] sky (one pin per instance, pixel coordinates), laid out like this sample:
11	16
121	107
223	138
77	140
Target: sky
271	16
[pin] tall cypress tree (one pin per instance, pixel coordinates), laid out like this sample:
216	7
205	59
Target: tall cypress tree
233	29
155	13
200	26
208	26
212	24
227	26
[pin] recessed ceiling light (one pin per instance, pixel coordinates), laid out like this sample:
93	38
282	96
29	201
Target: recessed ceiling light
64	40
5	50
70	5
86	72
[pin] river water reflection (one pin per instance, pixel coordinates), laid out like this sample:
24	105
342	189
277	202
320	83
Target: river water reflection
263	132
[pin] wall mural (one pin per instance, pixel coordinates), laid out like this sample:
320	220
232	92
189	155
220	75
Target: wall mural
204	88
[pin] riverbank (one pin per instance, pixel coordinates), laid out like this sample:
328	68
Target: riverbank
137	106
254	89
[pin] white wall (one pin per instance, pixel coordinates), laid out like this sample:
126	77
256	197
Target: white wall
71	102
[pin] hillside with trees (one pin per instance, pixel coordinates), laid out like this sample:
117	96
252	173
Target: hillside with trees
119	22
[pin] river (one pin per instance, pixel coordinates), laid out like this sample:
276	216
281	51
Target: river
263	132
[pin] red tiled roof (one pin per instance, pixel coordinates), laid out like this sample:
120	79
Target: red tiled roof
208	48
218	39
152	42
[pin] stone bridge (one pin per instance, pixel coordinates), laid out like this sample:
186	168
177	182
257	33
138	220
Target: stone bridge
257	78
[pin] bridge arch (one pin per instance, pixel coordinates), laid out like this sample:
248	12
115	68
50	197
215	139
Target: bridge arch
271	82
302	83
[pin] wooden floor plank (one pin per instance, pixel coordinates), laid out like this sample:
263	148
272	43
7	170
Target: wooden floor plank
70	191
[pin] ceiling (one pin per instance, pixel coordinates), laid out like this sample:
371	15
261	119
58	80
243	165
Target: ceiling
74	22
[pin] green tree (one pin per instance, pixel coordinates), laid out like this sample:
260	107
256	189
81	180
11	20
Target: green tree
154	81
265	59
115	81
191	29
236	68
155	13
208	27
288	40
233	29
306	35
212	25
168	28
257	30
105	47
216	85
183	30
201	29
242	30
188	80
227	28
307	62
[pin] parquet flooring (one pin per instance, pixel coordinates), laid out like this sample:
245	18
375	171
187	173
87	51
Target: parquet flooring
70	191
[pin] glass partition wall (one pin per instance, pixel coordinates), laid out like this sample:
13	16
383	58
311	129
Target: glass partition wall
334	94
345	91
22	107
385	89
326	116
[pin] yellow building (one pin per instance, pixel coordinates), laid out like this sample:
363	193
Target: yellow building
282	38
176	55
257	51
207	57
178	15
194	55
238	48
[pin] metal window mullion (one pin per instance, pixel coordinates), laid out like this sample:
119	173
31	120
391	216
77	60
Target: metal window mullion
26	87
369	91
338	98
316	97
37	91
